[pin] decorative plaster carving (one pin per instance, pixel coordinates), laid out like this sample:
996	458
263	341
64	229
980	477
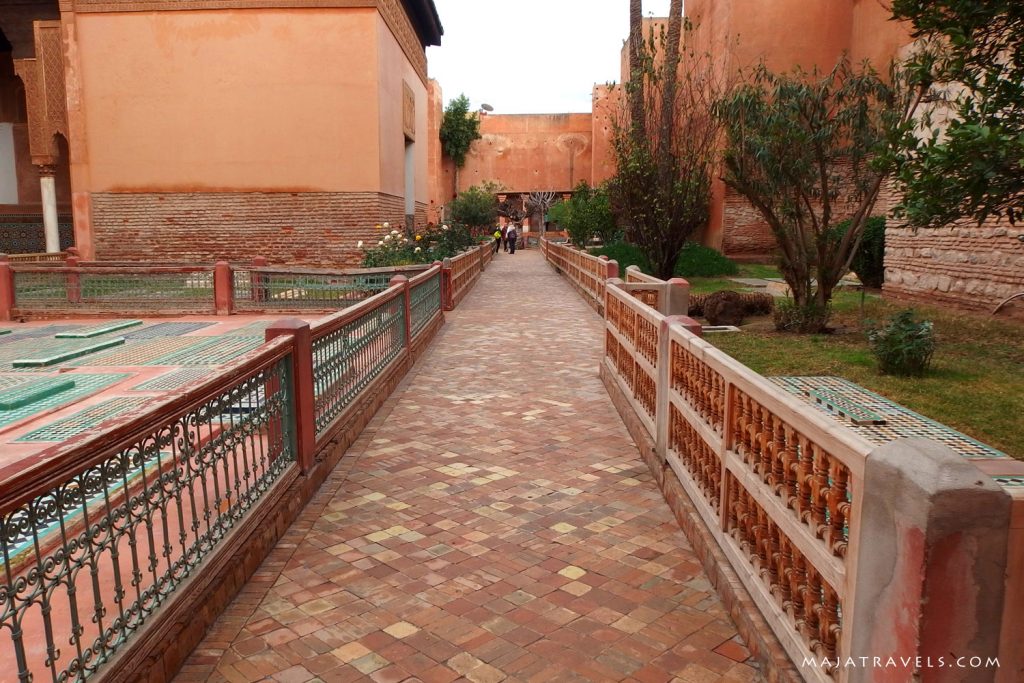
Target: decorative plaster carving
408	112
45	95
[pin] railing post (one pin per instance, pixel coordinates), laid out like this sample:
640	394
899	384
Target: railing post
72	251
677	299
929	564
611	268
480	253
6	288
447	302
302	386
73	283
259	292
223	288
403	281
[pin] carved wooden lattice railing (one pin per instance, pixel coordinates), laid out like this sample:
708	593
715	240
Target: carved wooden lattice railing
587	272
778	486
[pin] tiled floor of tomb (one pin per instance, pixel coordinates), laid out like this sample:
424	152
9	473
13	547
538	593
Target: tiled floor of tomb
494	522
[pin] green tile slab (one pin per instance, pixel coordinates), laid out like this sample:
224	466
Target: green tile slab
173	380
83	420
215	351
8	381
25	395
3	332
70	354
98	329
142	351
86	384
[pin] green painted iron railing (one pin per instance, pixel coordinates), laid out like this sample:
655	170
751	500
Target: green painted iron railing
350	350
271	288
425	300
110	289
95	545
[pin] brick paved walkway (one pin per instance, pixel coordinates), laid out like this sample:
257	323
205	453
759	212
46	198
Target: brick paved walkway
494	522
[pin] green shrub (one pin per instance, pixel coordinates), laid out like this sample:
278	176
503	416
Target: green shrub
426	245
790	317
585	215
904	346
626	254
869	259
476	207
696	260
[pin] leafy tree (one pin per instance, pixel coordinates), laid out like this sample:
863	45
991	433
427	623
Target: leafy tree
803	149
476	207
586	214
967	160
459	128
664	144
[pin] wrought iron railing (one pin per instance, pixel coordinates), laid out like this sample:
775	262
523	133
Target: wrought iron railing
425	298
105	531
137	289
352	348
114	289
267	288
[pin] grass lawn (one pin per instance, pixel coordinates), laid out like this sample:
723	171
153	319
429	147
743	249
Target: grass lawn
976	384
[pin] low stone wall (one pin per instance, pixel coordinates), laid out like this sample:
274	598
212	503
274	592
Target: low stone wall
966	266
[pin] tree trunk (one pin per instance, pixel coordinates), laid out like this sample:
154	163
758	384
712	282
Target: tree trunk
670	76
635	89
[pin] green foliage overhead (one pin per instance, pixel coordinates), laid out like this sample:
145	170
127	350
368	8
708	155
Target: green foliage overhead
459	128
476	207
804	149
975	168
588	213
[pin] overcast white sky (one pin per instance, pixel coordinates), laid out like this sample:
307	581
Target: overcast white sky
530	56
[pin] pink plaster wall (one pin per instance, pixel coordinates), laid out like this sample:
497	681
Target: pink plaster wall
529	152
243	100
393	69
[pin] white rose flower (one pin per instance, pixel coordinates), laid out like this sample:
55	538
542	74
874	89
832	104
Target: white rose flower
386	225
360	244
444	227
380	244
387	238
394	232
418	250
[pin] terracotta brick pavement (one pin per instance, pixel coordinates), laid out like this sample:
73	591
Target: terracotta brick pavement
493	522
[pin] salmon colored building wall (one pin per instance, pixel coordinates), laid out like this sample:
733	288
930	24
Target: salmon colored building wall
739	34
530	152
237	132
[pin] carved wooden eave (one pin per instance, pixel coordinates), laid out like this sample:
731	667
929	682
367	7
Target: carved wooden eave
414	23
45	94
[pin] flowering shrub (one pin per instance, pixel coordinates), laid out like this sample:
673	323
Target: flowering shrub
425	245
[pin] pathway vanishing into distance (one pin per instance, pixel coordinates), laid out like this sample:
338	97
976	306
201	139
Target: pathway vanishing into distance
493	522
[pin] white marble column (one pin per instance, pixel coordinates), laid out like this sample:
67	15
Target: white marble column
48	187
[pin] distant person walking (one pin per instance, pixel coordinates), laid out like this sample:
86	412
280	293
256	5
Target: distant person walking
497	239
504	237
512	237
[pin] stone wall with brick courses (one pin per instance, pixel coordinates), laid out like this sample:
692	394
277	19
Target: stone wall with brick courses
306	228
745	233
966	265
